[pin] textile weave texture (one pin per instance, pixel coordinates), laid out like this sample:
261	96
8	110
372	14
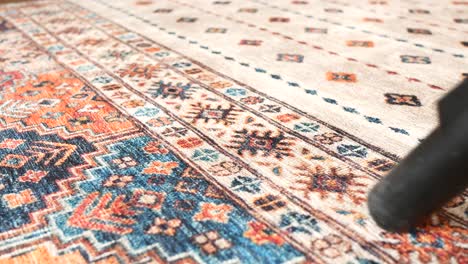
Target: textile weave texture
203	131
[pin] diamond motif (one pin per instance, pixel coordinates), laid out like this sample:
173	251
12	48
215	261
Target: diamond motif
216	30
10	143
14	161
341	77
402	99
326	181
249	42
32	176
421	31
268	143
148	199
290	57
415	59
316	30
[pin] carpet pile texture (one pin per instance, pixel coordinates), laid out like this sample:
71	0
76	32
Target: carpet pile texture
204	131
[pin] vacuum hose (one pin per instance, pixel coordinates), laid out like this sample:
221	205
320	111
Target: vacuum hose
431	175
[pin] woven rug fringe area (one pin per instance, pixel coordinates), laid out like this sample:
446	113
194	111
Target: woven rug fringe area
205	131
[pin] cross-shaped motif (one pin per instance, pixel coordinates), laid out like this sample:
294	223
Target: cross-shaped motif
211	242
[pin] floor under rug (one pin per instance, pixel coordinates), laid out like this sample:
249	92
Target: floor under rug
203	131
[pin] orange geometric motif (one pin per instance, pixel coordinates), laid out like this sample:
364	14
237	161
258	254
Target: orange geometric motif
166	227
260	234
32	176
42	255
158	167
108	215
24	197
213	212
60	96
10	143
437	241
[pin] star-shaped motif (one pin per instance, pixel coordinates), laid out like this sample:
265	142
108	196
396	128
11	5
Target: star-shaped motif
213	212
158	167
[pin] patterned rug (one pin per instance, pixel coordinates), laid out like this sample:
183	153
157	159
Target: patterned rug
203	131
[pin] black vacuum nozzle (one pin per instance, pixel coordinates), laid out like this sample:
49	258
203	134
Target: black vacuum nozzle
431	175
